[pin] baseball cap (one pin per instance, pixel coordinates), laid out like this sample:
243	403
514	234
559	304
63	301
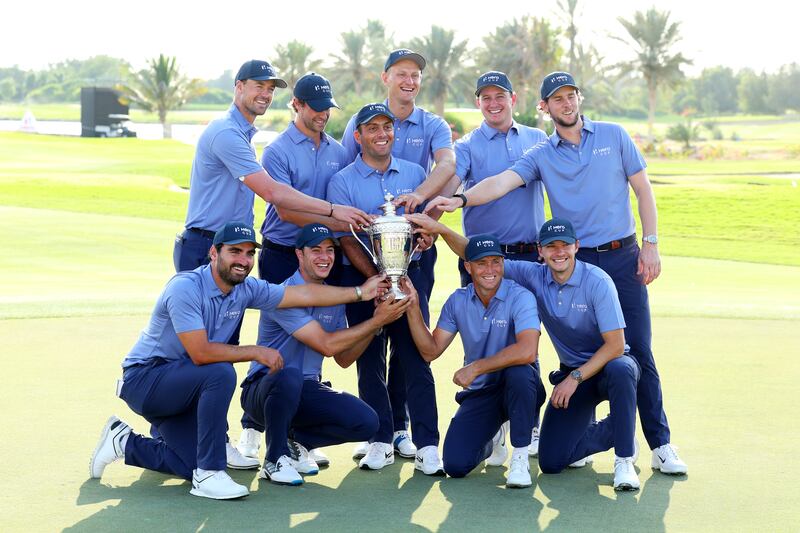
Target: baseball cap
312	235
404	53
316	91
481	246
235	233
493	78
554	81
557	229
255	69
370	111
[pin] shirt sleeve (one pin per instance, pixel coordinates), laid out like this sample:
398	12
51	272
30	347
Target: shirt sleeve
522	272
632	160
442	136
351	147
238	155
447	318
524	312
276	163
292	318
527	166
338	193
263	295
463	162
182	300
607	309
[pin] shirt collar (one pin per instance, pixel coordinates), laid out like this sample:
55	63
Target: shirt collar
588	126
501	294
365	171
210	288
298	136
490	133
244	125
416	114
574	280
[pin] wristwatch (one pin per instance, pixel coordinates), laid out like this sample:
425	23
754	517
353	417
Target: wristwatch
652	239
463	199
576	375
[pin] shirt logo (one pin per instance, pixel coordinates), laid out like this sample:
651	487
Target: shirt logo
416	142
580	307
332	164
327	319
232	315
404	191
606	150
500	322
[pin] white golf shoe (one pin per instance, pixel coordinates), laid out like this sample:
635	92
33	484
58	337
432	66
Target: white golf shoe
428	462
237	461
403	445
379	454
110	446
301	459
281	472
665	458
625	477
360	450
499	448
533	447
319	457
250	442
216	484
580	463
519	471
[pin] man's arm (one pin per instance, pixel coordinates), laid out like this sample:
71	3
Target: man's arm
430	345
649	260
203	352
301	218
309	295
357	256
444	169
484	192
522	352
456	241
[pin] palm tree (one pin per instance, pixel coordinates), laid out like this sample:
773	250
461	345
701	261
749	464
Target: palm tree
351	66
379	44
444	63
568	14
292	60
161	88
652	37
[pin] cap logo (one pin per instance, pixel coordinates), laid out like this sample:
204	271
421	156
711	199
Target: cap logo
263	67
246	231
491	78
560	77
318	229
480	244
556	228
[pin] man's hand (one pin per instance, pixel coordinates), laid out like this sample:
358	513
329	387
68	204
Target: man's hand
649	263
408	289
350	215
563	392
388	309
374	287
409	200
443	204
465	376
424	241
425	224
269	357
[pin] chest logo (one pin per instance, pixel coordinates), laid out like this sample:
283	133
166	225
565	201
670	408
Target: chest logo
604	151
580	307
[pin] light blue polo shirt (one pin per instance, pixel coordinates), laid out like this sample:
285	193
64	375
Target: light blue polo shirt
192	301
577	313
588	184
292	158
275	331
224	156
416	138
361	186
517	216
485	331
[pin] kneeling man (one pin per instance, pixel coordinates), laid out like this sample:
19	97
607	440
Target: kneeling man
499	329
293	403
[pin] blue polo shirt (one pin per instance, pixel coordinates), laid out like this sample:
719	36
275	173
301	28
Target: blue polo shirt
577	313
275	331
483	152
416	138
224	156
487	330
192	301
588	184
292	158
361	186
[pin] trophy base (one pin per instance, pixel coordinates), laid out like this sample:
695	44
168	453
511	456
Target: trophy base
395	289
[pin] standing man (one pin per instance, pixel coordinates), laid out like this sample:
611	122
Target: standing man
179	375
586	168
364	184
425	139
294	402
499	329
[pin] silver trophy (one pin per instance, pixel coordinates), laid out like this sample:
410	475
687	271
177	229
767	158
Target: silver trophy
390	236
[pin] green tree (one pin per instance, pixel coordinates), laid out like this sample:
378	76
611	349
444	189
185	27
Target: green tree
568	13
293	60
715	91
379	44
784	93
161	88
652	37
445	64
753	92
350	65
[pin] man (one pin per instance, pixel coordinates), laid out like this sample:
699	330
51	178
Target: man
364	184
303	157
586	168
425	139
294	401
499	330
578	305
179	375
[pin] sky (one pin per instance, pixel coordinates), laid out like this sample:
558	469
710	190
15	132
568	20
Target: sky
210	38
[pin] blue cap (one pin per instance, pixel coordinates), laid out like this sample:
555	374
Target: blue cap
316	91
554	81
258	70
370	111
482	246
493	78
404	53
235	233
313	234
557	229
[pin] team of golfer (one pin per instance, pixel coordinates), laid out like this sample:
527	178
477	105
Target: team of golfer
582	274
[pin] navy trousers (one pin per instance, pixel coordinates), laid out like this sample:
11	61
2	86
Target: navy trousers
416	373
569	434
308	411
481	412
621	265
188	405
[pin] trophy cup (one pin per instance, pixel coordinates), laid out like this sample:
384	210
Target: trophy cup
390	237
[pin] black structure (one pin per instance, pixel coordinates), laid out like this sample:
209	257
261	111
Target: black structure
103	113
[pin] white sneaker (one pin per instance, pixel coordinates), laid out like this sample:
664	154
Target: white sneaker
625	477
250	442
281	472
301	460
665	459
379	454
580	463
403	445
519	472
109	447
428	462
319	457
499	449
360	450
533	447
237	461
217	485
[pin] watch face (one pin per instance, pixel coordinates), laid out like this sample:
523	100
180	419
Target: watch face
652	239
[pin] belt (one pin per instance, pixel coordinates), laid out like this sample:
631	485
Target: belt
615	245
278	247
208	234
520	248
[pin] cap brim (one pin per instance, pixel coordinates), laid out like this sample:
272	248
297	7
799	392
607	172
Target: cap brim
482	87
370	117
321	104
416	58
562	238
487	253
278	82
240	241
315	242
557	88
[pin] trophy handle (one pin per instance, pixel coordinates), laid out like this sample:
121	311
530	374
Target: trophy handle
369	252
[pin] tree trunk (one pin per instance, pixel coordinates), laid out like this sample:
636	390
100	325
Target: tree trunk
438	104
651	112
165	126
